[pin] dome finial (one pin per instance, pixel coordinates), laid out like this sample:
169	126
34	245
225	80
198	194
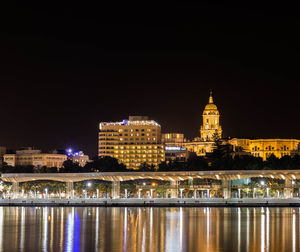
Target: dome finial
211	100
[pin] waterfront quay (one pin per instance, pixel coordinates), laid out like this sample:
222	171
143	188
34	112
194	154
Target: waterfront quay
184	188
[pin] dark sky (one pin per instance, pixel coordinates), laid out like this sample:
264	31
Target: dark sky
65	68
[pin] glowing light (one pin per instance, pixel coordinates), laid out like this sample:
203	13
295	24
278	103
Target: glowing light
89	184
262	182
174	148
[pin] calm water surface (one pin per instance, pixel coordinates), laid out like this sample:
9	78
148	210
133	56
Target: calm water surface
149	229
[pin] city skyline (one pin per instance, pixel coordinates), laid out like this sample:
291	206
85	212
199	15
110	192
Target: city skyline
82	145
74	68
149	127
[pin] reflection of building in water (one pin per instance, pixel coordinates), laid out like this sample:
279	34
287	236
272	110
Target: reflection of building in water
149	229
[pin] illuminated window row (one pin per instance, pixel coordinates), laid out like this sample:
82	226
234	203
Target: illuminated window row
140	160
140	147
138	156
139	151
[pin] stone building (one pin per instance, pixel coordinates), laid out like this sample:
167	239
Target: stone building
264	148
34	157
210	130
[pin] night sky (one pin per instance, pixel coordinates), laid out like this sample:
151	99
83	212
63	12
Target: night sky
65	68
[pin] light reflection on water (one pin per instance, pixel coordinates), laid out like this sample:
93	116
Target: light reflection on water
149	229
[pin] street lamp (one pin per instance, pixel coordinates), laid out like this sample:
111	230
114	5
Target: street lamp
262	183
89	184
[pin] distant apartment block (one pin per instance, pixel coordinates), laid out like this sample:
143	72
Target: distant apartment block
34	157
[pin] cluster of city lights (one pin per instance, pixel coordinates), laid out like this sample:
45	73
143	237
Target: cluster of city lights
70	152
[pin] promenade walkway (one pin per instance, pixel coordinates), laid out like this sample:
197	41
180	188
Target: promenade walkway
223	178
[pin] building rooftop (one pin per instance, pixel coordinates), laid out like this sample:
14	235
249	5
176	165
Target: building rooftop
132	121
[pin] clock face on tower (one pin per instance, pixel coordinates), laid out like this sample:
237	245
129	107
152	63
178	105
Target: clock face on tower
211	129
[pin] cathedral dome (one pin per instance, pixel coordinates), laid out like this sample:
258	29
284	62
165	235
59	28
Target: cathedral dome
210	105
210	128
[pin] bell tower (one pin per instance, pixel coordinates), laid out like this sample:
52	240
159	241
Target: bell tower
210	128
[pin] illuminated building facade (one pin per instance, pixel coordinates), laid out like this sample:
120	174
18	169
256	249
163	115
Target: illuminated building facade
176	153
210	130
133	141
172	139
2	152
264	148
34	157
78	157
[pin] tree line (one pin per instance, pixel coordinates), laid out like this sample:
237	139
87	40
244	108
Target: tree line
216	161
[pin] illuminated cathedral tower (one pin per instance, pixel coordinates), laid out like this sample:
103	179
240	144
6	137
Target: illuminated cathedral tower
210	128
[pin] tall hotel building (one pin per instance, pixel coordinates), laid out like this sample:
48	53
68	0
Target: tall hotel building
133	141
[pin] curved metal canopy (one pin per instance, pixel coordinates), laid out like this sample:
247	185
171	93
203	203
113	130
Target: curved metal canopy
166	176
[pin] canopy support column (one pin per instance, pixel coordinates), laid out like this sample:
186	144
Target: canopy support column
115	191
70	190
288	189
226	185
15	189
174	189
